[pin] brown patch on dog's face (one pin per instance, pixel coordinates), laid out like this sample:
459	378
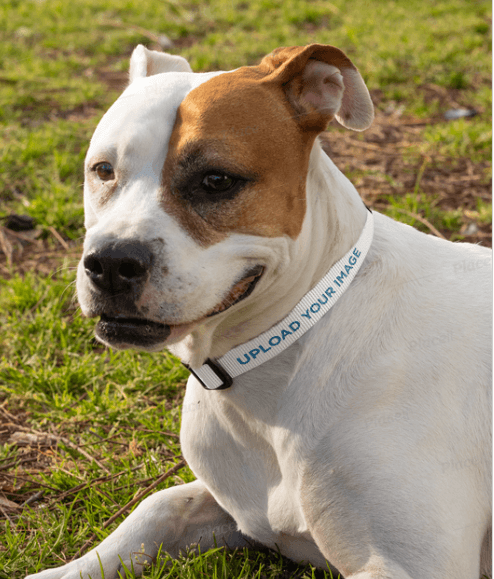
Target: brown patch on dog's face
237	160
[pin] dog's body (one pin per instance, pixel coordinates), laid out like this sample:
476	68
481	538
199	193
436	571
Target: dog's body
366	443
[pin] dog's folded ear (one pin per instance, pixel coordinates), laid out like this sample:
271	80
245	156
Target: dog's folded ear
320	82
144	62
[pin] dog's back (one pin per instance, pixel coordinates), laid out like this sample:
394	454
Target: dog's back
407	397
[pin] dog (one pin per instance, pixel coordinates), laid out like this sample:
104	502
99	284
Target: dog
339	404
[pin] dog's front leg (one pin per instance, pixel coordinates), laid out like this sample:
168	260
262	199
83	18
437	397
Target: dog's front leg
176	518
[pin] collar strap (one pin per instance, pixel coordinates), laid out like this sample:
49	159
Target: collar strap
218	374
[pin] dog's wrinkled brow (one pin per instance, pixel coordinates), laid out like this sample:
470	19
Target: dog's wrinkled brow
205	155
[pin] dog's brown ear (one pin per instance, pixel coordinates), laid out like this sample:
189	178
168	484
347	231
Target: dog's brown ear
320	82
144	62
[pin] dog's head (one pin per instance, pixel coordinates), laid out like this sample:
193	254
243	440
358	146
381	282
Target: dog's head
195	189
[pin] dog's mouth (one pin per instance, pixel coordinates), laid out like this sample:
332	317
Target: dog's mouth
127	332
240	290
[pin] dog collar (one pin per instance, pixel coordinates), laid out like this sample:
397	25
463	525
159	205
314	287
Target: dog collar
218	374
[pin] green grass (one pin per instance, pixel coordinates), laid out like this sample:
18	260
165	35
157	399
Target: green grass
51	53
117	414
459	139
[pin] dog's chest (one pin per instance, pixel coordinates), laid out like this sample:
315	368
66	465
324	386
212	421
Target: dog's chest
250	461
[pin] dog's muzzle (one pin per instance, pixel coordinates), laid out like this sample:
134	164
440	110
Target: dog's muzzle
119	272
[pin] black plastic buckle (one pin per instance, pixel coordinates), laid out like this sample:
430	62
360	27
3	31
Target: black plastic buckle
225	378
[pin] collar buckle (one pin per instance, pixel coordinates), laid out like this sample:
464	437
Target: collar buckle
211	375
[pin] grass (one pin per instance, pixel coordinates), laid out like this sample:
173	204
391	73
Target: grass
83	428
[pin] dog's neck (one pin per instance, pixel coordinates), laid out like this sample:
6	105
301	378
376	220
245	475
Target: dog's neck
334	220
338	215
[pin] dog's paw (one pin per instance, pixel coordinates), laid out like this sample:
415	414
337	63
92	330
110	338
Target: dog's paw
86	568
57	573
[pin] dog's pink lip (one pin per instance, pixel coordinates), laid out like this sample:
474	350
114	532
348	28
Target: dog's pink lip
241	289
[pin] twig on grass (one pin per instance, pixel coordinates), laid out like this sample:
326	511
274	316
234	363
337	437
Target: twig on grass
17	463
7	516
420	174
94	482
377	148
415	216
65	441
147	33
58	237
29	480
10	416
135	483
83	452
23	236
165	432
9	456
33	498
108	439
105	494
73	474
130	504
6	246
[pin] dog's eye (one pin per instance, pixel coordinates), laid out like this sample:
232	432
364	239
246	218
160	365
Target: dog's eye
104	171
217	183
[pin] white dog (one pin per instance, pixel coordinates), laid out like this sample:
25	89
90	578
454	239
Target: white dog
341	417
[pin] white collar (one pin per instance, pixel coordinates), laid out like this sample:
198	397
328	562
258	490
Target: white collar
218	374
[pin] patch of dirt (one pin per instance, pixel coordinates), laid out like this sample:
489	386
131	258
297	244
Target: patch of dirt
185	41
386	161
26	251
78	113
115	80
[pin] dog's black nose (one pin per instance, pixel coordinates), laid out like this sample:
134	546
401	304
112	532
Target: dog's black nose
119	267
